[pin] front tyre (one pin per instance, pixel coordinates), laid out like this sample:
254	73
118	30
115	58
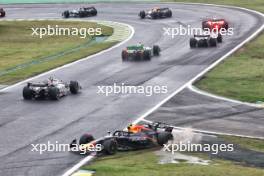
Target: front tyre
193	42
142	14
74	87
85	139
110	147
124	55
66	14
156	50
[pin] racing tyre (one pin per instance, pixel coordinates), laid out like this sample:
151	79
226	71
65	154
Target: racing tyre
226	26
94	12
3	14
213	42
54	93
142	14
193	42
156	50
163	138
110	147
85	139
169	14
219	38
146	55
66	14
124	55
74	87
27	93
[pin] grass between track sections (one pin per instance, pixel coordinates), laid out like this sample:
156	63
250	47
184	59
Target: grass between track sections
18	47
145	162
241	76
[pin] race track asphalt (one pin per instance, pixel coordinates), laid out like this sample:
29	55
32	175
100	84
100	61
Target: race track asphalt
24	122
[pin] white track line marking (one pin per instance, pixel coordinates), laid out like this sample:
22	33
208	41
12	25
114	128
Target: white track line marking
75	62
211	132
198	91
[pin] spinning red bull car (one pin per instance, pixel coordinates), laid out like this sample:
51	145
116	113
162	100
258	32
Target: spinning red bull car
215	24
50	89
140	52
2	12
82	12
156	13
136	137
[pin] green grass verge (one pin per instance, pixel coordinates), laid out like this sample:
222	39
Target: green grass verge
248	143
241	76
145	163
18	47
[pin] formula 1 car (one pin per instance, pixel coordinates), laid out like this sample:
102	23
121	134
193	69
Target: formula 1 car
140	52
136	137
156	13
204	40
82	12
2	12
215	24
51	88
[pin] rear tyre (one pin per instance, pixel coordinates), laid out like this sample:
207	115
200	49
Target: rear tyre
85	139
110	147
219	38
124	55
146	55
213	42
54	93
27	93
163	138
142	14
193	42
94	12
74	87
156	50
66	14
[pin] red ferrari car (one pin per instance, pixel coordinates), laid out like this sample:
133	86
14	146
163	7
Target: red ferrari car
215	24
2	12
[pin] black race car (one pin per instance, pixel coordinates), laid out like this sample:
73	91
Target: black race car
136	137
156	13
205	40
82	12
51	88
2	12
214	24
